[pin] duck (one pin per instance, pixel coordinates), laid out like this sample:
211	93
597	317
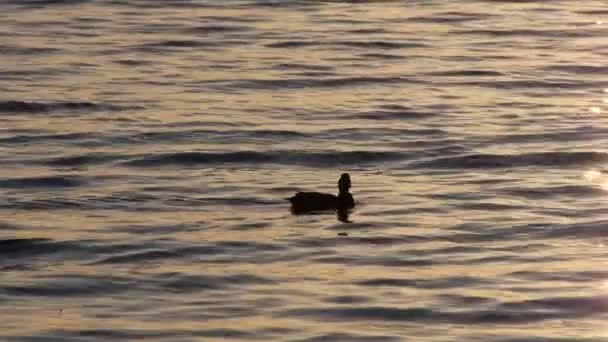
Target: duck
303	202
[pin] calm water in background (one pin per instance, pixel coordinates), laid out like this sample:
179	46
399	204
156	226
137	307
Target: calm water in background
147	148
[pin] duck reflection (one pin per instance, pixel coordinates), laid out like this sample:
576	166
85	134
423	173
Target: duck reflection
309	202
342	215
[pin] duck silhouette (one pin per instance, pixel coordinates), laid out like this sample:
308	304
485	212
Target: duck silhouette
305	202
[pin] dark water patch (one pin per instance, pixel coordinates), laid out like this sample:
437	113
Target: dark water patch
534	338
225	136
250	246
446	251
460	196
381	44
395	113
505	232
132	201
430	146
46	107
519	1
530	85
43	182
222	201
584	230
250	226
489	161
41	204
40	138
431	284
358	240
369	313
578	134
189	124
347	300
229	334
547	33
375	261
17	268
46	3
82	160
25	51
426	137
182	43
319	159
383	240
485	206
156	229
212	29
26	248
301	83
505	259
450	18
457	249
294	4
5	226
99	248
313	74
93	20
174	45
384	56
598	11
345	20
491	181
391	314
578	69
484	236
456	300
537	193
135	201
114	335
167	4
574	276
466	73
10	246
524	247
386	45
349	337
140	256
299	66
73	286
375	30
222	20
195	283
230	250
565	307
132	62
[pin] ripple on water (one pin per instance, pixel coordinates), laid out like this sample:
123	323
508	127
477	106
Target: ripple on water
318	159
43	182
509	313
488	161
46	107
349	337
70	285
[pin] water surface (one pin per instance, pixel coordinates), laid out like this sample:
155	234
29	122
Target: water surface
147	148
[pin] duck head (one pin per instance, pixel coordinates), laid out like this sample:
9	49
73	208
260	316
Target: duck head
344	183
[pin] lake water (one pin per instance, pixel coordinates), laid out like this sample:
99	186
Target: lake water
147	149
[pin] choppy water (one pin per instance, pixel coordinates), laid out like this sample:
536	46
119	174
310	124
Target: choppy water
147	148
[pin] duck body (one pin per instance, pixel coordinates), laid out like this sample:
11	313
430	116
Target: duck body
315	201
304	202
